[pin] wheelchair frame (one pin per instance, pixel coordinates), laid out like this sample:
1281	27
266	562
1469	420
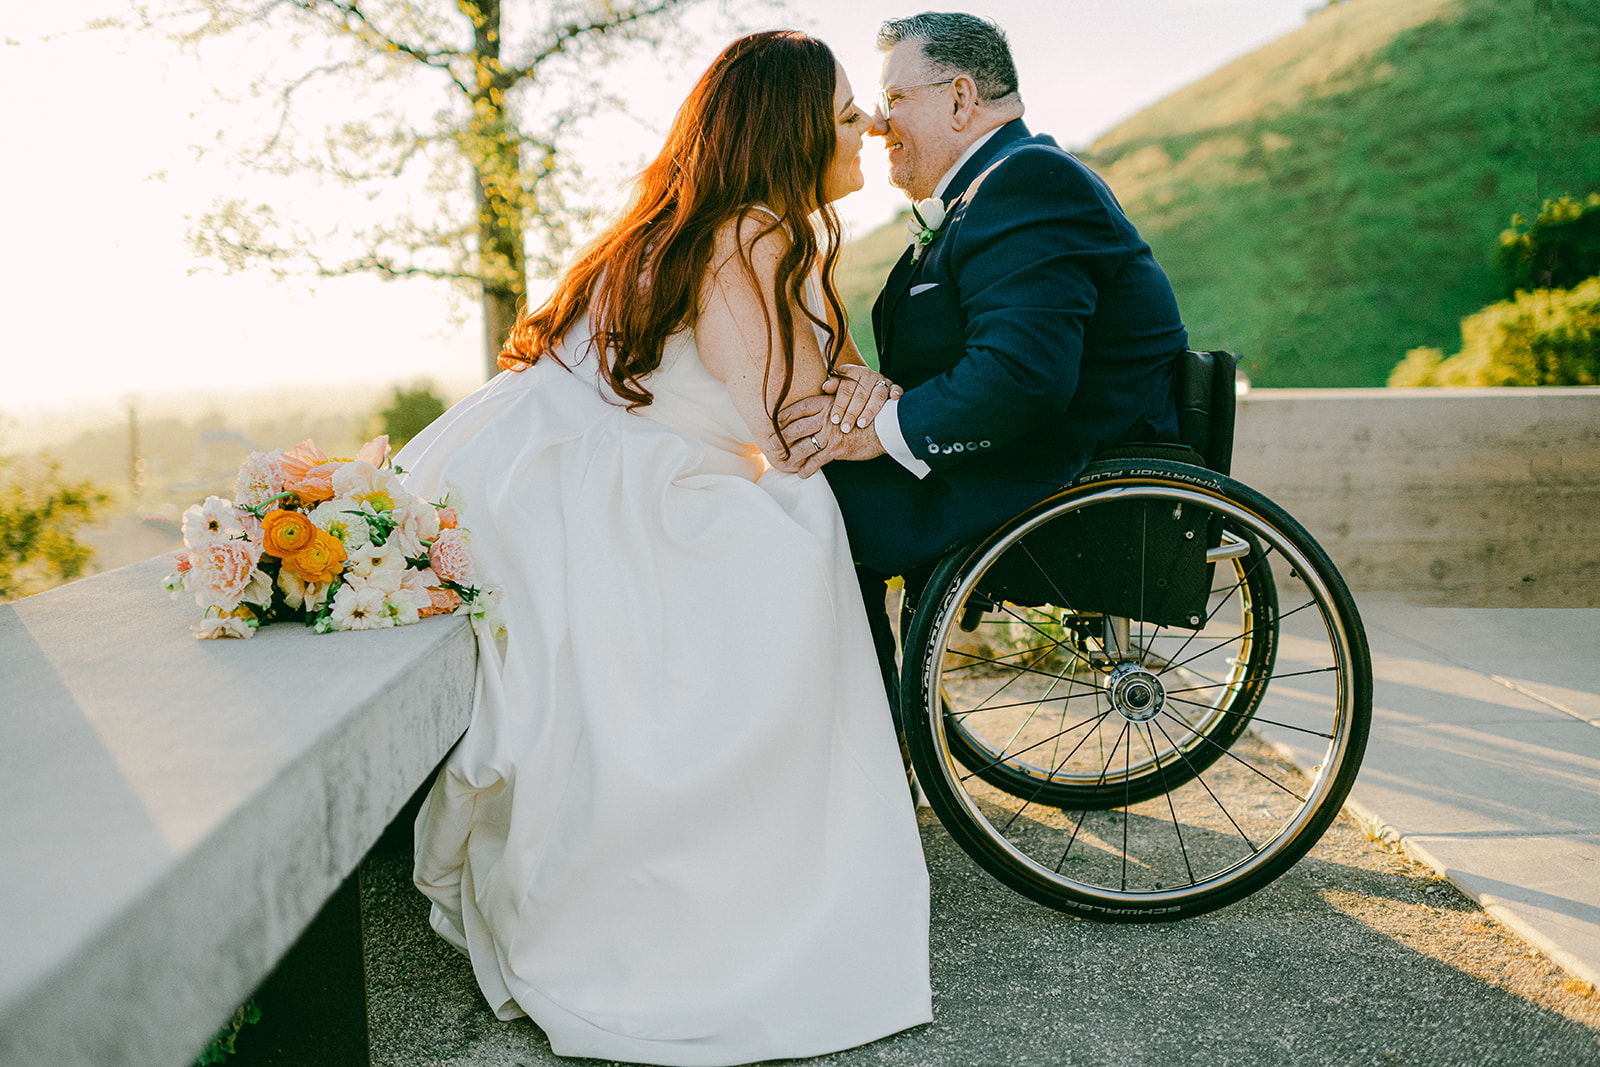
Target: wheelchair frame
1087	692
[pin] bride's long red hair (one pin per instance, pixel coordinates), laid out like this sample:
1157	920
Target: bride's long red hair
758	128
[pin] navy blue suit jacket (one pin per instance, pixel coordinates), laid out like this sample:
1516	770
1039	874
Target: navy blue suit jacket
1034	329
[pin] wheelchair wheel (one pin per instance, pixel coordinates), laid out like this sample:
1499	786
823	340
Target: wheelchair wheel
1108	700
1213	692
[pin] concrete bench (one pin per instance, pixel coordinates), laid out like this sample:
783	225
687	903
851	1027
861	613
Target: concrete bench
174	813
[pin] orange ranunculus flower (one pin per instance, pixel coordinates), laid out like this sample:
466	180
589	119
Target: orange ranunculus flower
284	533
319	561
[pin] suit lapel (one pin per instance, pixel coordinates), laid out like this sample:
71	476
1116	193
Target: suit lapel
1015	130
899	280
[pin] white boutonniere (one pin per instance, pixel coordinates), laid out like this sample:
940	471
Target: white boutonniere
927	218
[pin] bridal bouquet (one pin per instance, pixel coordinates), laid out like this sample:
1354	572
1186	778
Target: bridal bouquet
338	544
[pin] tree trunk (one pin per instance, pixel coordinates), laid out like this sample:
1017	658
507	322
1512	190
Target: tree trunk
499	315
497	170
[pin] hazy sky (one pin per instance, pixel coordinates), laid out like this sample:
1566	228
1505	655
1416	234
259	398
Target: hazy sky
96	288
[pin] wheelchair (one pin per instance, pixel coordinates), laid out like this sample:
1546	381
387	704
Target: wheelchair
1147	696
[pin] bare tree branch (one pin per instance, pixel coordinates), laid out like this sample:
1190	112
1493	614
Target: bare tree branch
565	34
384	267
366	30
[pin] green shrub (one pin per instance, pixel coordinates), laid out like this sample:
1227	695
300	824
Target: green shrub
39	517
409	414
1557	250
222	1045
1544	337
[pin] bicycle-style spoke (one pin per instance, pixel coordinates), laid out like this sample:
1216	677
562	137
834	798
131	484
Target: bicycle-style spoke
1172	812
1274	676
1265	721
1200	778
1230	754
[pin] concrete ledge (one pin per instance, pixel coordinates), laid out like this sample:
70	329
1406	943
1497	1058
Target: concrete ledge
1460	497
174	812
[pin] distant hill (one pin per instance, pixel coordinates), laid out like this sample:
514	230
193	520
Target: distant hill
863	266
1333	199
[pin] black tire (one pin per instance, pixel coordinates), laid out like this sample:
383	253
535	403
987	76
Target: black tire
1157	779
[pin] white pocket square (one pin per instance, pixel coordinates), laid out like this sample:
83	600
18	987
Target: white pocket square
923	288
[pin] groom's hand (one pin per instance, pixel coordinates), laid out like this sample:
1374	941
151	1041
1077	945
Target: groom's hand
813	439
859	393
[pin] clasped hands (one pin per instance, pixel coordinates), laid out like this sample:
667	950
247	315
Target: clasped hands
835	425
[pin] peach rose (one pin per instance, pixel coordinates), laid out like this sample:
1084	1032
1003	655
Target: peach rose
221	571
448	519
260	479
451	558
319	561
284	533
440	602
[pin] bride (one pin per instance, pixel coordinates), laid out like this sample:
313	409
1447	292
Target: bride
678	830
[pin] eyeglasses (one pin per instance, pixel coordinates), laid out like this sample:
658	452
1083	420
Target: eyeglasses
887	98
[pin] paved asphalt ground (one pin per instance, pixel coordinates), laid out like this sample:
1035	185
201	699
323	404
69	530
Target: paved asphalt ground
1484	764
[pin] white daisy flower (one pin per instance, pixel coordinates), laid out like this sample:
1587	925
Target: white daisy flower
358	606
215	520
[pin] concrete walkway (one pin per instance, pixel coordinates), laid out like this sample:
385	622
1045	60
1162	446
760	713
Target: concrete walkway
1485	761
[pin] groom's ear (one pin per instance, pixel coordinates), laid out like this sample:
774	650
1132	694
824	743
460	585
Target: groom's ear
963	101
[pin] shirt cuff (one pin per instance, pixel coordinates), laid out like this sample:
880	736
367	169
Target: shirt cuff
887	426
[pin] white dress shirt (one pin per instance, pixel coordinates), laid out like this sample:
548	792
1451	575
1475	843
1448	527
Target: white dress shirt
887	421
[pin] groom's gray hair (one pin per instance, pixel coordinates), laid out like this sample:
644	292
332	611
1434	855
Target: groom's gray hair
958	43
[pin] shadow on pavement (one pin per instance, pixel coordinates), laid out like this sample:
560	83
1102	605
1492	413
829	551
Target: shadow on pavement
1355	956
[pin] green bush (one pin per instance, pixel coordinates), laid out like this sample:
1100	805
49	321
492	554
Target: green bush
1544	337
222	1045
1557	250
409	414
39	517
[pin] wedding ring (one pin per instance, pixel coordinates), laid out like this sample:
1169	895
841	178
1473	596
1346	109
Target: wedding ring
816	442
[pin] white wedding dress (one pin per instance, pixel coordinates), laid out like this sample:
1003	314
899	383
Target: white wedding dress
678	830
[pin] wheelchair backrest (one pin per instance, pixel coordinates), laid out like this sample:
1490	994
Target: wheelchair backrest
1203	388
1206	397
1205	405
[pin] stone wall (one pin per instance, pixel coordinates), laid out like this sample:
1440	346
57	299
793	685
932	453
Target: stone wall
1465	497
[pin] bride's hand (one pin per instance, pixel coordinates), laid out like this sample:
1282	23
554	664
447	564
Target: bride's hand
802	423
859	393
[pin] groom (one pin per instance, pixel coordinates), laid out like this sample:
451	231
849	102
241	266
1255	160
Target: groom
1029	326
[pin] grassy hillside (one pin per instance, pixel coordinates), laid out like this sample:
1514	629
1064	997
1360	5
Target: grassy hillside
863	266
1333	199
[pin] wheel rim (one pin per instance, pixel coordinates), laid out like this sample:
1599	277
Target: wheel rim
1212	833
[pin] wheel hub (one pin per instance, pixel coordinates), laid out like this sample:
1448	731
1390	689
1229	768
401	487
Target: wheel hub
1135	693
